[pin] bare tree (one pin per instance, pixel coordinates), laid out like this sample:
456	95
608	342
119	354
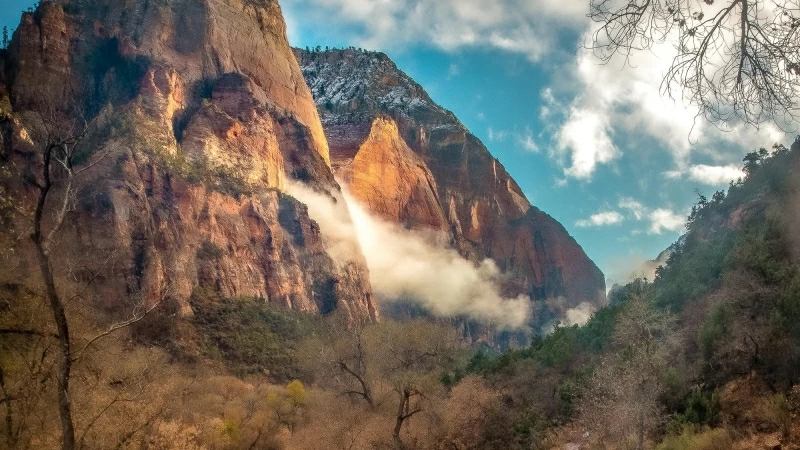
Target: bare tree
410	357
57	168
59	138
623	402
393	367
736	60
340	359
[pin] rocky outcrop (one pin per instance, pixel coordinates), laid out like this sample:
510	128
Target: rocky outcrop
387	176
392	146
198	117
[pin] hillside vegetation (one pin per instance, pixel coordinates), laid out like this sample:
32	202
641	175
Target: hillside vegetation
705	356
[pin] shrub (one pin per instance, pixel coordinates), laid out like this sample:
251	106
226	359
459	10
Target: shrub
701	408
249	335
714	329
776	411
209	251
692	439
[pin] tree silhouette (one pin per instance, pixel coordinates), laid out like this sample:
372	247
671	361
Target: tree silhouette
738	61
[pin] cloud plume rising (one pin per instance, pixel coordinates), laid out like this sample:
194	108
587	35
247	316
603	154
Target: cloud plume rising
410	265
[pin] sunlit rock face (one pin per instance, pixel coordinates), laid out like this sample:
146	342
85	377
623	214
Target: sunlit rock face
391	179
200	117
411	161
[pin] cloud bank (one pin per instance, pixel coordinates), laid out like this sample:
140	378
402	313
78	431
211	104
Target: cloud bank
409	265
659	220
525	27
617	103
709	175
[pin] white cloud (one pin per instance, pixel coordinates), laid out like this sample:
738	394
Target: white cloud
411	266
600	106
663	219
637	209
579	315
708	175
601	219
527	142
659	220
497	135
625	103
520	26
453	71
585	139
716	175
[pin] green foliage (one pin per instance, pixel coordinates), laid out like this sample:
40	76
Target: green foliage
555	350
570	391
530	429
761	249
149	137
249	335
693	269
296	393
777	411
702	408
714	330
787	311
621	294
230	429
712	247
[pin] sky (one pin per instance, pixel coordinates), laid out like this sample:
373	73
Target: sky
594	145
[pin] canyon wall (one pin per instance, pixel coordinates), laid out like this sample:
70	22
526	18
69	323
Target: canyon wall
412	162
197	116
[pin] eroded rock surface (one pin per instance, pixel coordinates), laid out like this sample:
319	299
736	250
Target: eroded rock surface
392	146
199	116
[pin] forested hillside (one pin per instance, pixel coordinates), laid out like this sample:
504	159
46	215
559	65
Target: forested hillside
705	356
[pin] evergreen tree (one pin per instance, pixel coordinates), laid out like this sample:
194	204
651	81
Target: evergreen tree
5	37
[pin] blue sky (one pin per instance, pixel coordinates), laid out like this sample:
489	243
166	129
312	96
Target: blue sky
595	146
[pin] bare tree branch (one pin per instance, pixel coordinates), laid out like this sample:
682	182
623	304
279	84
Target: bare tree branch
114	328
738	62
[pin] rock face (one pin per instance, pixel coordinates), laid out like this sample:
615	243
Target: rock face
412	162
198	115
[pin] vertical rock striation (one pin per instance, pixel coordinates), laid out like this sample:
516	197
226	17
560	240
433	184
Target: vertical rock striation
199	115
412	162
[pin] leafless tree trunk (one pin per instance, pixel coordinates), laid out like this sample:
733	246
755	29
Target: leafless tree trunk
43	243
357	368
404	412
54	202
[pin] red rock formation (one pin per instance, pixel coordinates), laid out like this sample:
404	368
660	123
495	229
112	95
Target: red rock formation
386	175
393	146
200	115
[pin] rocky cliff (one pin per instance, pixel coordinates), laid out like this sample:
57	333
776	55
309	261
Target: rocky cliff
197	116
412	162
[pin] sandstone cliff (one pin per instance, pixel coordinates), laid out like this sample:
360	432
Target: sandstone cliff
199	114
412	162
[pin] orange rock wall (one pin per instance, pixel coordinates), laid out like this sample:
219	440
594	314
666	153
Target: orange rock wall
200	117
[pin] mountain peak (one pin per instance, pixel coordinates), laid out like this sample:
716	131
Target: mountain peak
347	83
454	183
